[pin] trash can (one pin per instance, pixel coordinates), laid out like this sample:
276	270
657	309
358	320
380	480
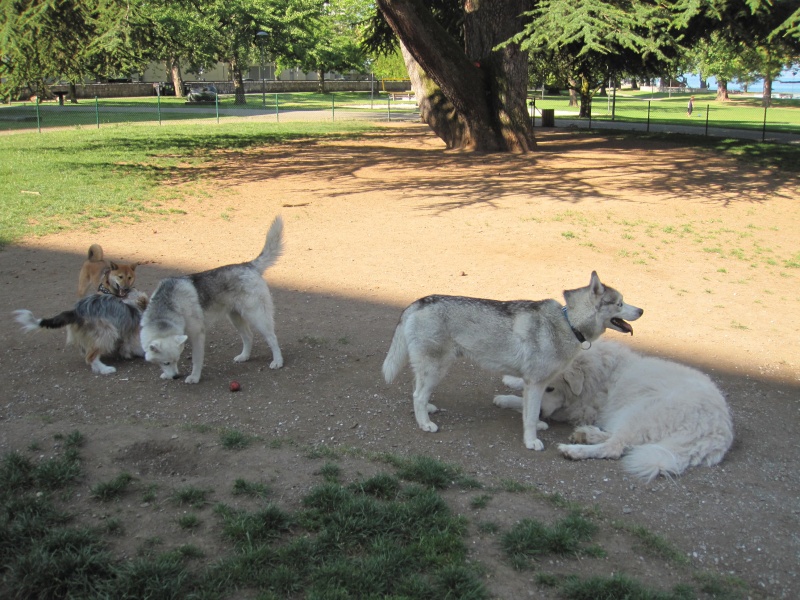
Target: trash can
548	117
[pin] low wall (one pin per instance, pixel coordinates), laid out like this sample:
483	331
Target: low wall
128	90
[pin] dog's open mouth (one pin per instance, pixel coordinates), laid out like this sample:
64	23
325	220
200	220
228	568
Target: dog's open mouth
621	325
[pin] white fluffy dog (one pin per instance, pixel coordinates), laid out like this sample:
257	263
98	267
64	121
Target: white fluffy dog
664	417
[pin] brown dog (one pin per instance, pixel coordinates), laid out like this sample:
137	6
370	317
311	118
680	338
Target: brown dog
98	275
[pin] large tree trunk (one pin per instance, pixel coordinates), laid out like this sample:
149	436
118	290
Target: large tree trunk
722	90
434	108
766	98
238	82
73	93
174	70
321	81
472	97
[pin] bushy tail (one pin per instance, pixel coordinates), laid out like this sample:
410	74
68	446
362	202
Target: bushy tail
30	323
273	247
397	357
95	253
674	455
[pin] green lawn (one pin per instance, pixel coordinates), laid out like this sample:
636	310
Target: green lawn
75	177
104	111
742	112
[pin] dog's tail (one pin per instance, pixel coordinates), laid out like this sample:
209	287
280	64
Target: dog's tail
397	357
273	247
95	253
673	455
30	323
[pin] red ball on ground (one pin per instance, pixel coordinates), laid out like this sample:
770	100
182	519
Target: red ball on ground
235	386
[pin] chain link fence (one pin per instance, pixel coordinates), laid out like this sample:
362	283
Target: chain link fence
38	116
740	118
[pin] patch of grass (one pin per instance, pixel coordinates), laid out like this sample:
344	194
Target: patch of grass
619	587
652	543
481	501
330	472
189	521
112	490
427	471
721	587
231	439
530	539
190	496
253	489
77	178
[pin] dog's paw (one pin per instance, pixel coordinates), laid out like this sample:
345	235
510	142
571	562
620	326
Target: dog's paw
192	379
571	451
508	401
430	427
432	409
276	364
541	426
515	383
241	357
532	442
578	437
104	370
588	434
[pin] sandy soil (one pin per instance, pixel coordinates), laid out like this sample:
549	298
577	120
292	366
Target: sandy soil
707	246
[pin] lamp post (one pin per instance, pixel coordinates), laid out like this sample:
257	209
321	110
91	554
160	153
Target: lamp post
262	38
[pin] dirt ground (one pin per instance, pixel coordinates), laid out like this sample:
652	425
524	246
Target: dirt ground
707	246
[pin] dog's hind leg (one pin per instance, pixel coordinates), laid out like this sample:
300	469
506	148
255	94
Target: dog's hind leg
246	333
93	360
265	325
428	372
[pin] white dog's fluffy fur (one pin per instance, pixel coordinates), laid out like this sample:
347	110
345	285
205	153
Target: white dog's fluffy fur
664	417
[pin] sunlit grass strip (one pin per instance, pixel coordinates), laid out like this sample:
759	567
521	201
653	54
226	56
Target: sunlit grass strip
73	178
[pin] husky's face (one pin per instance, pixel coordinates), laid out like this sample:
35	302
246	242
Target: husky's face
166	352
613	312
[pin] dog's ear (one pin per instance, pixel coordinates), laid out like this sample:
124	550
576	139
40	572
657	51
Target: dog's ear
180	339
595	285
113	266
133	266
154	347
574	379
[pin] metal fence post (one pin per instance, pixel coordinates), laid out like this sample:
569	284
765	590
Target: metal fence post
764	128
158	101
277	114
216	106
38	117
388	108
333	107
648	116
708	106
97	111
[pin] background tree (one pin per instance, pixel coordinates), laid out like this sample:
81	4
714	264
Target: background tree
593	40
333	41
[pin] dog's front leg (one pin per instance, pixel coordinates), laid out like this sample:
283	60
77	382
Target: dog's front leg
531	406
198	340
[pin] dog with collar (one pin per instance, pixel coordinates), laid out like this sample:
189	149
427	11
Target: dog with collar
534	340
98	275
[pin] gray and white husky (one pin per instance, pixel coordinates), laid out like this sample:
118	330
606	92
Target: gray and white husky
181	307
99	324
534	340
